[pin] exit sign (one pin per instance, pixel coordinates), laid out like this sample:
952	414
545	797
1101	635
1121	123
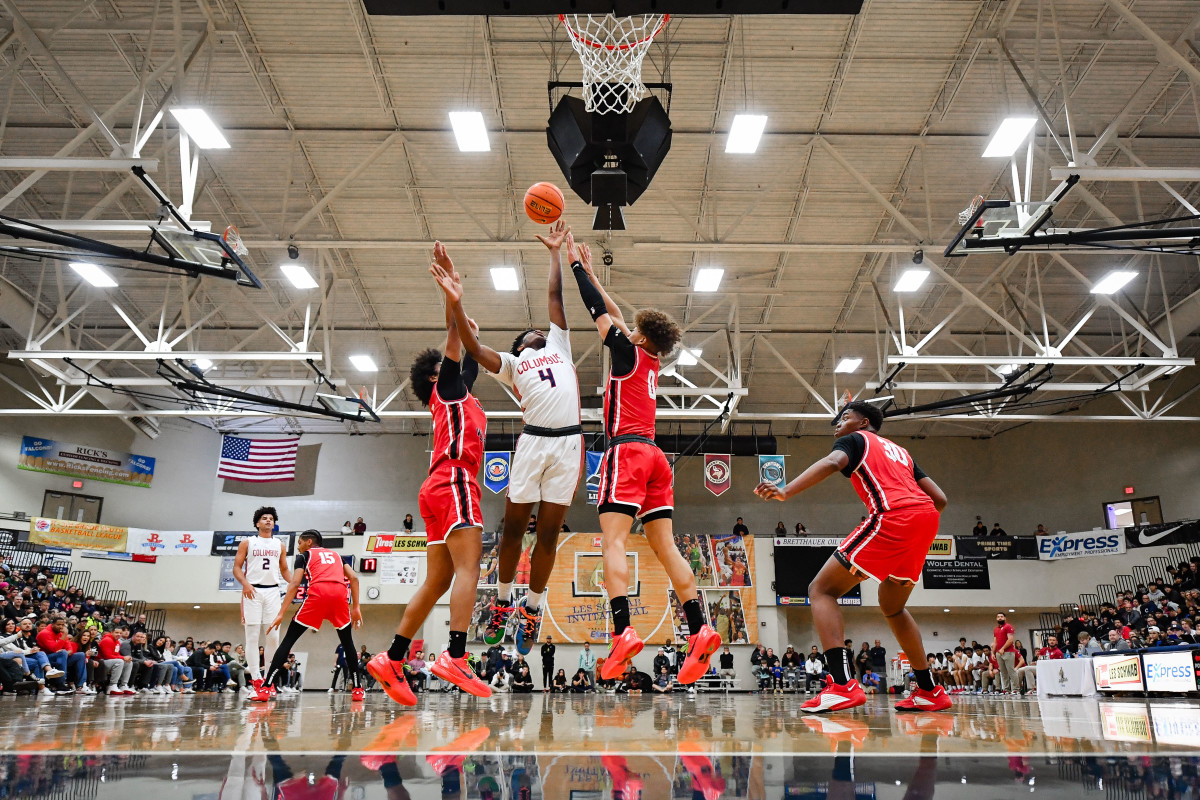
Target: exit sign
1128	490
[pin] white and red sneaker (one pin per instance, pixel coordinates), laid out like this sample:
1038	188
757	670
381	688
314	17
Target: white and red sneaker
835	697
921	700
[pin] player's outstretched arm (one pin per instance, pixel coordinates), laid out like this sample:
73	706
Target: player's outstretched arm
831	464
935	493
292	590
355	608
284	569
468	334
553	242
447	278
594	297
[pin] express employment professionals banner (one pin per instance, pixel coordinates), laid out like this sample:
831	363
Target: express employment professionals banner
1095	542
83	535
1165	533
85	461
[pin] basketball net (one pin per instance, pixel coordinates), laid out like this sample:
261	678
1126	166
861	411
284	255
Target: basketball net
611	49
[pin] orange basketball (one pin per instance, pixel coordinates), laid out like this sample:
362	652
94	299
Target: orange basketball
544	203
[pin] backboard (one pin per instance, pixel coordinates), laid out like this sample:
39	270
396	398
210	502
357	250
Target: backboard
1005	226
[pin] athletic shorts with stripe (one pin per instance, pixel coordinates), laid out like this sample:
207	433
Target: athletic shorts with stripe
893	544
546	469
635	479
326	601
449	499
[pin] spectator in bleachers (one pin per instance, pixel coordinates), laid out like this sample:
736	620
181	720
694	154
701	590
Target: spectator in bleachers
408	523
1087	645
980	530
347	528
663	682
780	529
814	672
727	673
60	650
118	665
793	666
360	527
997	531
739	528
1041	530
1114	643
801	530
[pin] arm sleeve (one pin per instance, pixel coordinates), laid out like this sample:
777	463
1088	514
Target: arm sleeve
623	351
918	473
470	372
590	294
508	369
301	561
854	448
450	383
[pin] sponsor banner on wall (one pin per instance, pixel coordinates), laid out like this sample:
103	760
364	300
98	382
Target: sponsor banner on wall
109	556
1181	532
1125	722
803	601
9	537
718	473
941	547
998	548
1170	671
395	543
964	573
1176	723
82	535
495	470
225	580
398	570
225	543
85	461
1118	673
170	543
593	477
807	541
1095	542
771	470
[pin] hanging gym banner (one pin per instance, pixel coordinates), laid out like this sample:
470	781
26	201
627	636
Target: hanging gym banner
718	474
1006	548
771	470
1182	532
84	461
593	477
964	573
495	470
82	535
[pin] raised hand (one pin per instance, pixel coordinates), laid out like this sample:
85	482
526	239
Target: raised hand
441	258
449	282
769	491
585	258
554	239
569	241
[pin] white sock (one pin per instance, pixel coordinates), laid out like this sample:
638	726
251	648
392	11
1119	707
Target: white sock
504	594
252	649
533	600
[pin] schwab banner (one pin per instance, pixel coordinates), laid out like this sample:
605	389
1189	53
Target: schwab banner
1165	533
395	543
170	543
718	475
1118	673
1095	542
593	477
83	535
941	547
966	573
225	543
495	471
1000	548
83	461
771	470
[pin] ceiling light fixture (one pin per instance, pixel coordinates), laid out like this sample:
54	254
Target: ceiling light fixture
1007	369
848	365
200	128
689	356
911	280
202	364
469	131
298	275
505	279
745	133
1008	137
93	275
364	363
1113	281
708	279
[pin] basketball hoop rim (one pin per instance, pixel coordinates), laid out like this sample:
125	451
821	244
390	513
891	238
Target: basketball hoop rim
598	46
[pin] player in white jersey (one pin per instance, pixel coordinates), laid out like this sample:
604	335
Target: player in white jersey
548	462
261	568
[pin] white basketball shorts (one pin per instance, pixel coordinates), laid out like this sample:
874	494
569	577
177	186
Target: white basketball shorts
263	609
546	469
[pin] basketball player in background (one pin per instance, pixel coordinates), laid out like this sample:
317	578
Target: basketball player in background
325	601
449	503
889	547
549	459
635	478
260	567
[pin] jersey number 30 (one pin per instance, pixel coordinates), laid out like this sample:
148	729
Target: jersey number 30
895	453
548	375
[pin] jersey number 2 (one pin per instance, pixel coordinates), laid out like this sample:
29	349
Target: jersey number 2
548	375
266	565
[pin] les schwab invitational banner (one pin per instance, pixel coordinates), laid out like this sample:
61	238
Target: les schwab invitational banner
85	461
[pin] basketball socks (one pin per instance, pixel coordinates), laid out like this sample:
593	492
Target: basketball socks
924	679
837	661
620	614
347	640
504	594
399	648
695	616
533	601
458	644
294	632
391	775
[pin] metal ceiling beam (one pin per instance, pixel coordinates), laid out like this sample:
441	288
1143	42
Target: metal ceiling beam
969	386
1069	361
1127	173
341	186
52	164
1165	50
142	355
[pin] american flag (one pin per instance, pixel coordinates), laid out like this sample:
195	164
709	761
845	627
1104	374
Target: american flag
258	460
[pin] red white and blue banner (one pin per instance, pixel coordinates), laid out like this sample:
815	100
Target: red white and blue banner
495	470
170	543
593	477
718	473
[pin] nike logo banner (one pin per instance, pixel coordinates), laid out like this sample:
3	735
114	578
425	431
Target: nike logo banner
1163	534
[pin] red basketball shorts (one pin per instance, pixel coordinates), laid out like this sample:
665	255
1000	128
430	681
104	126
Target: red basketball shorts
893	544
449	499
326	601
635	479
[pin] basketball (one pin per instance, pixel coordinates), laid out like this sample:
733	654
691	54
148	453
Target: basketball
544	203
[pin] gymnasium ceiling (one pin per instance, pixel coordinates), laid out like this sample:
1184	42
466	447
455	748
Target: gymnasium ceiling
340	141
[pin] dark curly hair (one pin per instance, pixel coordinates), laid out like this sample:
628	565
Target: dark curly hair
424	367
517	342
259	513
870	413
660	328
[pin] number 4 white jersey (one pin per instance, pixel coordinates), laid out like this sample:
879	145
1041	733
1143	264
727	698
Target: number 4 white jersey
544	381
262	561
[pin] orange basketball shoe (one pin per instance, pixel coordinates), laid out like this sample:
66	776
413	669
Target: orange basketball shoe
459	672
701	645
390	675
624	647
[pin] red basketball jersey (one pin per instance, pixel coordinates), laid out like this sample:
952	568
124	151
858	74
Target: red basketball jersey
459	428
884	480
629	402
324	565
